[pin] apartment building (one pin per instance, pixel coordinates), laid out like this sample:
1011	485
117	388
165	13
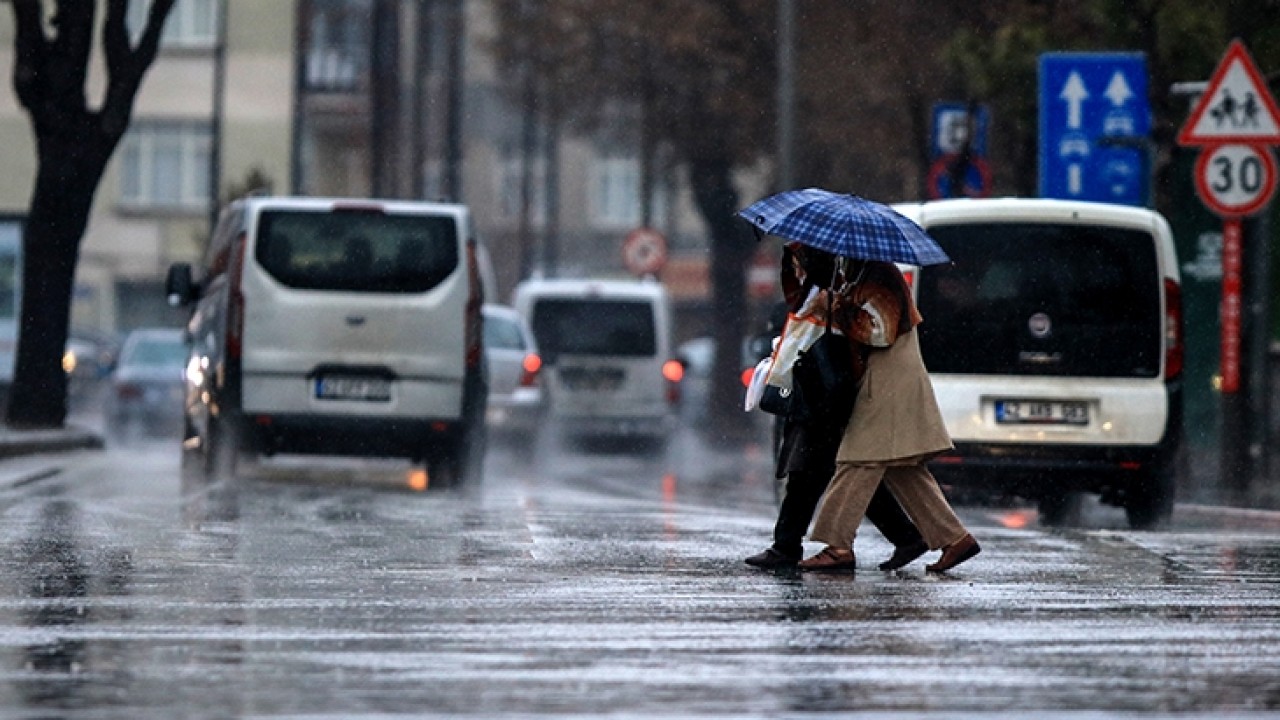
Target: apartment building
388	98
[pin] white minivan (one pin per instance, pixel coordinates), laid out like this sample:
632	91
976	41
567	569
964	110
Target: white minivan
335	326
607	348
1054	342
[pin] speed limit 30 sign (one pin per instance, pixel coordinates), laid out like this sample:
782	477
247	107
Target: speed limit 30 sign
1236	180
1236	121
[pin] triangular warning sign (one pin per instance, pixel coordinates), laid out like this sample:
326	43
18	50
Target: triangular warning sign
1236	107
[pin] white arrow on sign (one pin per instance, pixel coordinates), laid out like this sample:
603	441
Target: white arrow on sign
1075	182
1074	92
1118	90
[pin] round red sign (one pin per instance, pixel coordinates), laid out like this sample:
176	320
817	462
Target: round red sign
644	251
1234	179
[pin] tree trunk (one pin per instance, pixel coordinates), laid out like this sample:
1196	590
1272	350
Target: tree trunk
717	200
51	245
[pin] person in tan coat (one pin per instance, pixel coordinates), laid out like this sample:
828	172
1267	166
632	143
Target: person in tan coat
895	429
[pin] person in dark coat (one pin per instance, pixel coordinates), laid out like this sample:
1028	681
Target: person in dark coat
807	453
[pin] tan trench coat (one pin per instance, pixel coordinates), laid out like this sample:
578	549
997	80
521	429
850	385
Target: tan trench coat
896	416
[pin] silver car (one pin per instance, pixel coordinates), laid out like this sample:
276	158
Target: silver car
146	387
517	402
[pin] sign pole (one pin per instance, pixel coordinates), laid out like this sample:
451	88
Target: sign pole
1231	311
1235	468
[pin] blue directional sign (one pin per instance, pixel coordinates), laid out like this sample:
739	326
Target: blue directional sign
1095	126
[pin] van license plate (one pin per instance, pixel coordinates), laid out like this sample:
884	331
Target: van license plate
1052	412
353	387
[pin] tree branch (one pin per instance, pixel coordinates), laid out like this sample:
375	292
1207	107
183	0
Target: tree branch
31	48
126	69
115	37
73	23
150	42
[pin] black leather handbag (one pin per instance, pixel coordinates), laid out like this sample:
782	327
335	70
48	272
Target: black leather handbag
822	384
775	400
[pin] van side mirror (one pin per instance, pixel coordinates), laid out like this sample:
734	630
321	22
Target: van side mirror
179	287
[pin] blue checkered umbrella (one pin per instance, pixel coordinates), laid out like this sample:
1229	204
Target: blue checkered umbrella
844	225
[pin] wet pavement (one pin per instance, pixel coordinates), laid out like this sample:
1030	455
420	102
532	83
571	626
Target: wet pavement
593	584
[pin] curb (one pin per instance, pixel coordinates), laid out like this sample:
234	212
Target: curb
17	443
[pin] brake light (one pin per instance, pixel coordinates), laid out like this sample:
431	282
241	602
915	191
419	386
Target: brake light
673	370
746	376
1173	340
531	365
474	320
909	276
235	299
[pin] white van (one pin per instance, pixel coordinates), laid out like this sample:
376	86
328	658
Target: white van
607	348
1054	342
337	326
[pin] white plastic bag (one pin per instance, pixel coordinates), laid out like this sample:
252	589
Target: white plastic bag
800	332
756	388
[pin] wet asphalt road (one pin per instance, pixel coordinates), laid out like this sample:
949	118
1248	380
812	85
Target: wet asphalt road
595	584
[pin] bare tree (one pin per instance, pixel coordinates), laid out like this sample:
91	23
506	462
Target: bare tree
74	141
695	70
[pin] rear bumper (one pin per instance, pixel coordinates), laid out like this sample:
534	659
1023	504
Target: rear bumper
1033	471
618	426
515	415
346	435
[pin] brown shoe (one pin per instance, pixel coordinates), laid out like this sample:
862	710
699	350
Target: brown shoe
955	553
830	559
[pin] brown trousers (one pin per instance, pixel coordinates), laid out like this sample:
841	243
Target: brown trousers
912	484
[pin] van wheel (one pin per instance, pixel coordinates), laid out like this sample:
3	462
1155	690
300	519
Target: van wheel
1060	508
459	461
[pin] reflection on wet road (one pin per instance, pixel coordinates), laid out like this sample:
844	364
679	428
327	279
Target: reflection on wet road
592	585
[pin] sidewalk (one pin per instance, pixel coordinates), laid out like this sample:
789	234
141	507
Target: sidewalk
16	443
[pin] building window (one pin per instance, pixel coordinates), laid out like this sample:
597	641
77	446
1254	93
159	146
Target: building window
165	166
615	194
191	23
338	44
510	170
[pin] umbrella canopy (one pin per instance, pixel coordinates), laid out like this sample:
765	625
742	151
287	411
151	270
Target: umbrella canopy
844	225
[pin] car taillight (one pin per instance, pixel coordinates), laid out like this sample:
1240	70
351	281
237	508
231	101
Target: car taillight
1173	345
235	300
746	376
673	371
531	365
474	328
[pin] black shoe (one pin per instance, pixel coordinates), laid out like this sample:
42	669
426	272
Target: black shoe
771	559
904	555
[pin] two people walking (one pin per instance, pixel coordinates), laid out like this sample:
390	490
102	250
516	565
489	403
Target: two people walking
894	428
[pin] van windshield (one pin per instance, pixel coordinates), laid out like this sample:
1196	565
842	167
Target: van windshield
594	327
356	251
1042	299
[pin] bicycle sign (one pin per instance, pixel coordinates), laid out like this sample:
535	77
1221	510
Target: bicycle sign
1236	180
